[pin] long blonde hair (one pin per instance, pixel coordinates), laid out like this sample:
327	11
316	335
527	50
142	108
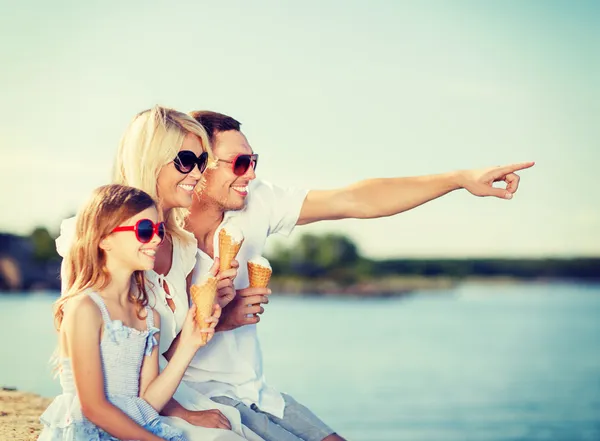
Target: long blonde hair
151	141
85	264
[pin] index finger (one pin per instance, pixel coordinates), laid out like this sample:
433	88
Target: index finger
217	311
214	269
228	274
253	292
256	300
515	167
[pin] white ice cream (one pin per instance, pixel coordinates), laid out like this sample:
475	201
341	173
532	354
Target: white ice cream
261	261
234	231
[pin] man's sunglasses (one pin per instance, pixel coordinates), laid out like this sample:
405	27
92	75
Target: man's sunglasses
145	230
241	163
186	160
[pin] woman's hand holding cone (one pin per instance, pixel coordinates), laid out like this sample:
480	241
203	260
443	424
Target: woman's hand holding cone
225	287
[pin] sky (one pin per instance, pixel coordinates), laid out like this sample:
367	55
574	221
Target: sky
329	93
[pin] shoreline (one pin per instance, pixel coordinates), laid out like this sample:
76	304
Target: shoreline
382	287
20	414
400	286
395	286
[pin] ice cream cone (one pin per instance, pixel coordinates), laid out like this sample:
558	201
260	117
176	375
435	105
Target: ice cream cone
203	295
229	245
259	272
258	276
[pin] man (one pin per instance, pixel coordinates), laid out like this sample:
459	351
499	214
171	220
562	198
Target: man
229	368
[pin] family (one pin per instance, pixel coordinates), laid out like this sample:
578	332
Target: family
132	361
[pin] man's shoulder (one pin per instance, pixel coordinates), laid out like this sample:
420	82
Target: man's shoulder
261	190
260	193
259	205
260	186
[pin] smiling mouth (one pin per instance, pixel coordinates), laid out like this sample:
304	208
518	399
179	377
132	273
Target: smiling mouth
149	253
243	190
187	187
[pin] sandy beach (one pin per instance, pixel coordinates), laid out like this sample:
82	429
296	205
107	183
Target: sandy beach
19	415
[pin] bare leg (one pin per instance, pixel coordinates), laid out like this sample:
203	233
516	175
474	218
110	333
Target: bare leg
334	437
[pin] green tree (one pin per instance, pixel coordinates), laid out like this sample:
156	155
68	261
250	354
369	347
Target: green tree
44	248
332	255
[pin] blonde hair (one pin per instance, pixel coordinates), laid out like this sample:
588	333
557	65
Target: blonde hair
85	265
151	141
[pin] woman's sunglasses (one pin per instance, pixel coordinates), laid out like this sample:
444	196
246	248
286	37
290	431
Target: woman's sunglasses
186	160
145	230
241	163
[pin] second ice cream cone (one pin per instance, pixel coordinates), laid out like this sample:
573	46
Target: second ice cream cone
203	295
259	276
259	272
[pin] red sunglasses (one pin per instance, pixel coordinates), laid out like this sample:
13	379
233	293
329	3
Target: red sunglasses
145	230
241	163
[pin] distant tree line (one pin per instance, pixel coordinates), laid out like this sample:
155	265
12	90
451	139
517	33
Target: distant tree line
335	256
31	262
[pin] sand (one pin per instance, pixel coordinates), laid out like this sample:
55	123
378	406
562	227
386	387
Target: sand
20	415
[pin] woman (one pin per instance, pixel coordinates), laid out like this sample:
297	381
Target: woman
164	152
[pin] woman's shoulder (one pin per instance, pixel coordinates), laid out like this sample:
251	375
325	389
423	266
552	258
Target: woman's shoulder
185	240
184	252
65	239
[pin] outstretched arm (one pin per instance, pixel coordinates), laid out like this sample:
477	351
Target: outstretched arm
375	198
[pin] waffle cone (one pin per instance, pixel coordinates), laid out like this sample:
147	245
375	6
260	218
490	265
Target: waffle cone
258	275
203	297
228	249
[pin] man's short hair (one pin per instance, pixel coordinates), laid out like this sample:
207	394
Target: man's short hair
214	122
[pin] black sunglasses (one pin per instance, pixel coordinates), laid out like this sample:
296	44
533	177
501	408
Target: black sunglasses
185	161
241	163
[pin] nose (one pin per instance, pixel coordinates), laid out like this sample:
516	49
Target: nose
195	173
250	174
156	240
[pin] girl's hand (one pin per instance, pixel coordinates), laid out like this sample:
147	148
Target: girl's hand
213	321
192	333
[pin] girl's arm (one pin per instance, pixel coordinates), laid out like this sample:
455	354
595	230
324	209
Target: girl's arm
211	323
157	389
82	327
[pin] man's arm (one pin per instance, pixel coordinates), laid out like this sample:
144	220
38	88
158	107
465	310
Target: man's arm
385	197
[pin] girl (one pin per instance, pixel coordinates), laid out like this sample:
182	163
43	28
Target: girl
108	335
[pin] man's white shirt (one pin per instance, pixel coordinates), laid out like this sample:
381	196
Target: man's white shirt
231	363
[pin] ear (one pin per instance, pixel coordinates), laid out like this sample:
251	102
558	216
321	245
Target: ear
105	244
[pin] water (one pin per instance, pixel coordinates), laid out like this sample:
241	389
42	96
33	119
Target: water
481	363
